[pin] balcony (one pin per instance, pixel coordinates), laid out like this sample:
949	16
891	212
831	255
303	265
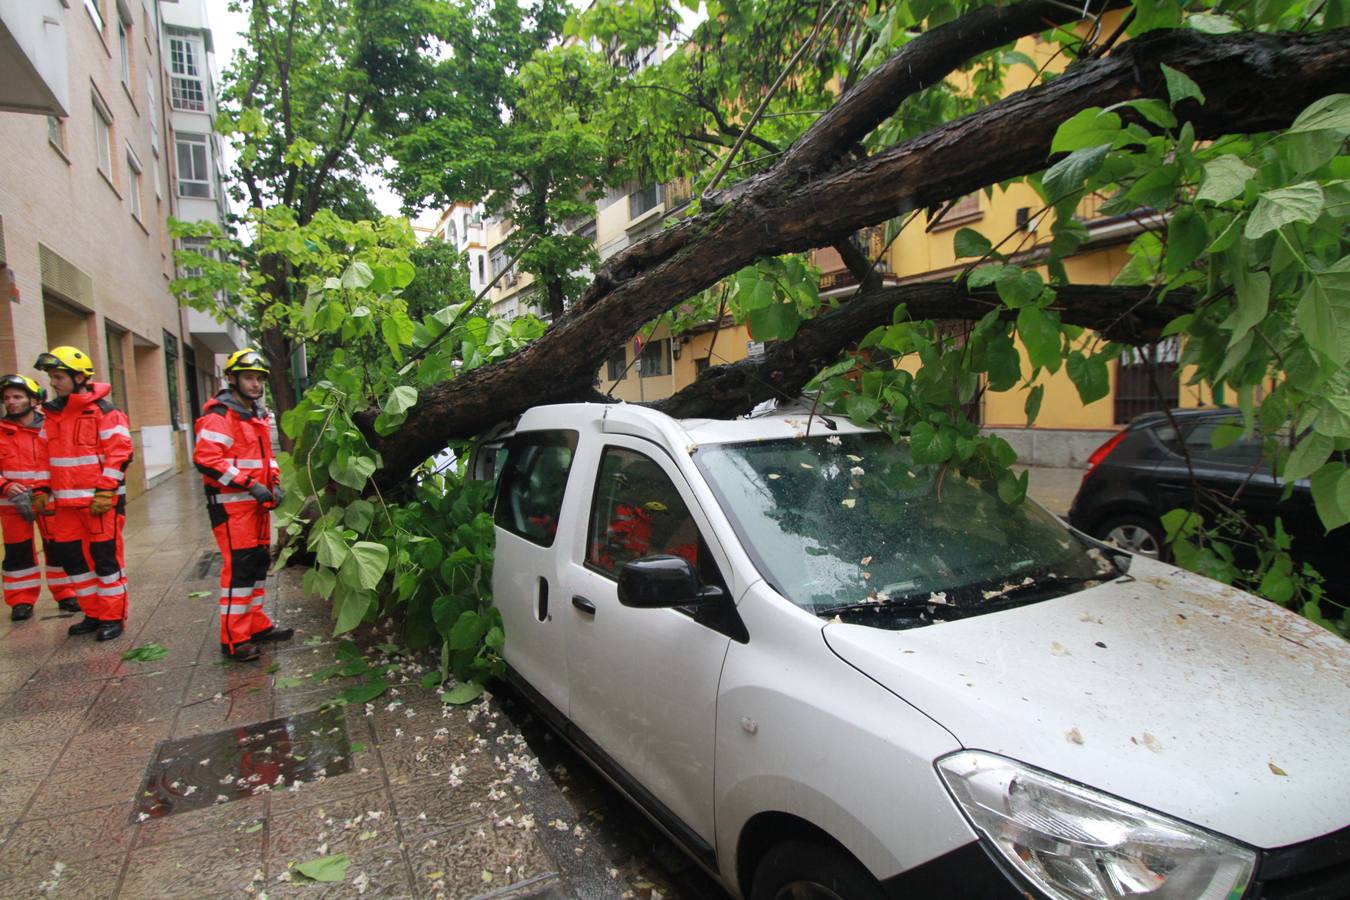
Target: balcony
834	275
34	75
219	337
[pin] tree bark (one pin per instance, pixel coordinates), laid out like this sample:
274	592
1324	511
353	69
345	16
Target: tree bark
1252	82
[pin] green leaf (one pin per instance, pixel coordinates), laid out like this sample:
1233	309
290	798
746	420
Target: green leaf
401	399
969	242
321	581
928	445
1253	302
1225	434
1068	175
1209	23
1309	456
325	868
1186	240
432	679
862	409
1089	128
1041	336
145	653
1018	287
1279	207
329	547
464	692
357	275
1090	375
468	630
358	515
370	560
364	693
352	606
776	322
1180	86
197	595
285	682
1323	313
1033	404
1225	178
1012	489
1331	494
1329	113
353	471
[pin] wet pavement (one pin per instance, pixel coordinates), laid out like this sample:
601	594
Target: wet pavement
192	776
1053	488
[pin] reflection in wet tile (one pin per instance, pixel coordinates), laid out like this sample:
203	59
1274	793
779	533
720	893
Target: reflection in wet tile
37	843
204	866
73	789
196	772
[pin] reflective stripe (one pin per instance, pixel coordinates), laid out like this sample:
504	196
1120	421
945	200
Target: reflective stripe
110	579
114	474
122	490
209	435
66	462
249	463
59	580
228	476
236	592
32	476
112	591
22	573
273	463
239	497
234	610
22	585
86	591
116	429
73	494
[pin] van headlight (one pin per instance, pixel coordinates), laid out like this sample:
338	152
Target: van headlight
1074	842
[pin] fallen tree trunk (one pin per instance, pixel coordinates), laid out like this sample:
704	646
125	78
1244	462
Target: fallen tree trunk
1252	83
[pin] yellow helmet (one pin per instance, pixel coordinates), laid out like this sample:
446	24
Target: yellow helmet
69	358
23	382
246	360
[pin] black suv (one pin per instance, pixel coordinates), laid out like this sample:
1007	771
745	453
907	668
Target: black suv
1141	473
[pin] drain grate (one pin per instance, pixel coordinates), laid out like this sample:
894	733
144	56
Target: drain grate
193	773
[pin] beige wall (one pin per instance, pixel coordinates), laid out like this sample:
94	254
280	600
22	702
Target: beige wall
118	267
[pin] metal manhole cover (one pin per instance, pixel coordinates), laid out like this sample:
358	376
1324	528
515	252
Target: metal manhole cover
196	772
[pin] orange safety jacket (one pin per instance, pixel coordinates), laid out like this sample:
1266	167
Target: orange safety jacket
23	456
88	446
234	448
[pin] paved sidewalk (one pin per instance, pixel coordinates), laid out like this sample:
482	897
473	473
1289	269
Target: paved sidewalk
1053	488
425	800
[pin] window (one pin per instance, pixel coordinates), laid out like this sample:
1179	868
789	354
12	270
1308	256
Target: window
643	200
498	259
194	245
171	371
124	50
117	366
154	174
700	365
194	169
134	185
637	512
1245	452
186	89
967	209
103	138
152	106
91	7
481	276
1146	380
530	492
56	133
655	359
617	365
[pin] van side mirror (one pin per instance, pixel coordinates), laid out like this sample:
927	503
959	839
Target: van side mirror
661	582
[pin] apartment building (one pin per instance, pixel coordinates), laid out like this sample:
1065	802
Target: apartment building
87	184
461	226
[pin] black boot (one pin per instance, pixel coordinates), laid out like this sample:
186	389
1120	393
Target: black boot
273	633
21	611
85	626
107	631
70	604
244	651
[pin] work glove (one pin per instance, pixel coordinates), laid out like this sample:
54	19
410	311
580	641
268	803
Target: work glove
261	493
102	502
278	493
23	502
40	501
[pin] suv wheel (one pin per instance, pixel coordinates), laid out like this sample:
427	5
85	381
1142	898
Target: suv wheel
798	870
1133	533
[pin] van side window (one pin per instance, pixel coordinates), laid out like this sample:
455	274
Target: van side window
533	480
637	512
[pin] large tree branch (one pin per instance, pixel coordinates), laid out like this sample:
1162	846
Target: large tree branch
1252	82
1126	314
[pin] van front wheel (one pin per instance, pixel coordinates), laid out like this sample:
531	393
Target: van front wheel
798	870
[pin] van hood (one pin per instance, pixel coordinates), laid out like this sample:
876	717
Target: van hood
1164	688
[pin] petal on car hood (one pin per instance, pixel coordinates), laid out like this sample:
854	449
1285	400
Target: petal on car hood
1164	688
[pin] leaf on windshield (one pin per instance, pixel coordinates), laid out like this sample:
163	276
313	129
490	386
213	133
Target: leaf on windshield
852	458
856	470
807	466
848	502
1073	736
774	476
865	560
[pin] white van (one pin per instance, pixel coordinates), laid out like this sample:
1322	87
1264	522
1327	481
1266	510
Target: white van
826	671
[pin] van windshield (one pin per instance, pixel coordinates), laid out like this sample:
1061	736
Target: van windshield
844	522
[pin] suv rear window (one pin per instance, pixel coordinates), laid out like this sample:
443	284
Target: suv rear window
533	481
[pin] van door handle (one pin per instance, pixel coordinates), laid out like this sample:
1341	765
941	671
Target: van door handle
583	604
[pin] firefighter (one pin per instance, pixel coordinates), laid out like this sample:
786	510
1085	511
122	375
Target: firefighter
88	451
234	454
24	492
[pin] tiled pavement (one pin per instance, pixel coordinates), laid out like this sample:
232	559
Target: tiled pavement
440	802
